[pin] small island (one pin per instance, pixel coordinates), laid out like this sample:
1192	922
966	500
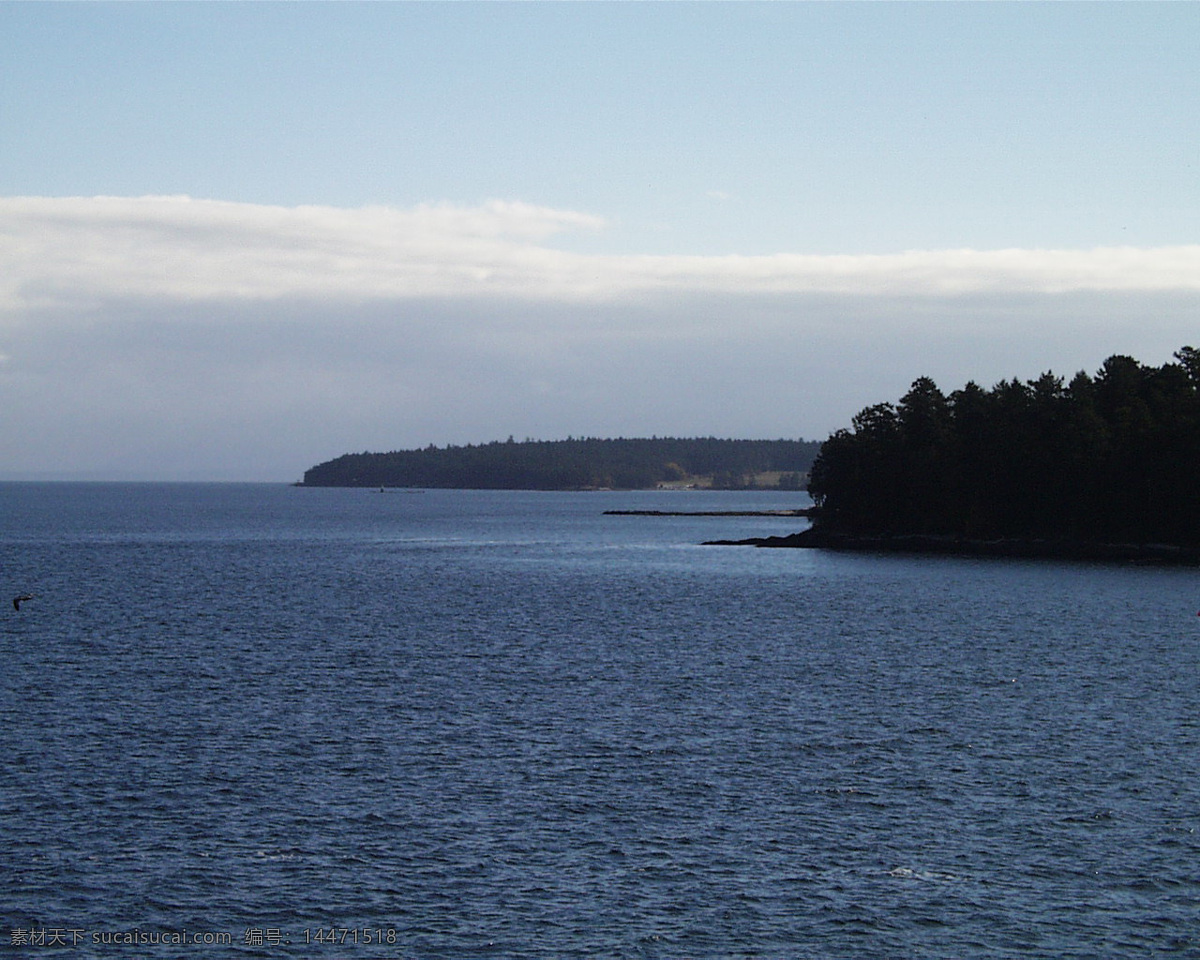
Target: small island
1104	467
580	464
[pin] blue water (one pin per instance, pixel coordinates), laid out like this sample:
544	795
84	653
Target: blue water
478	724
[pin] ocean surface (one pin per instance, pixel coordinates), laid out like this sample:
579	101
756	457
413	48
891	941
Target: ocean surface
270	721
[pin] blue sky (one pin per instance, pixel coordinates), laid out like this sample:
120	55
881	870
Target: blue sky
385	225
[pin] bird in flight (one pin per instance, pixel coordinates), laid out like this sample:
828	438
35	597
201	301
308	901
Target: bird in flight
17	601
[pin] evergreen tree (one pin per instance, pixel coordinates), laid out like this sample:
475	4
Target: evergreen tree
1112	458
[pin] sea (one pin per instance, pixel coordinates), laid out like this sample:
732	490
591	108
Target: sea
270	721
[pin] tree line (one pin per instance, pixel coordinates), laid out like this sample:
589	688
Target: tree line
571	464
1111	458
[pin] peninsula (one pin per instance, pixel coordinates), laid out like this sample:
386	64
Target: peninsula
580	464
1101	468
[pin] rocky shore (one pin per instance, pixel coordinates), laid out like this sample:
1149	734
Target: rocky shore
814	538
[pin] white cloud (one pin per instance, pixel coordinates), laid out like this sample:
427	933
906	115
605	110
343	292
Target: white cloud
85	250
71	250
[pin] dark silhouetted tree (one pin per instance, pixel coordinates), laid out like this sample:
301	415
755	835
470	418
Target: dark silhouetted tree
1113	457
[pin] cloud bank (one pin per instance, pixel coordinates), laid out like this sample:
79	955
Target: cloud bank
178	338
56	251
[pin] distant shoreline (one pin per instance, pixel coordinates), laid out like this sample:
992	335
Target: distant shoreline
1016	548
586	463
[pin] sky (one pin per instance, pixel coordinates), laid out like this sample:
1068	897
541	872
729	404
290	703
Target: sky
239	239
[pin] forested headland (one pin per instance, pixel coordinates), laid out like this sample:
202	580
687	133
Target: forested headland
578	464
1040	467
